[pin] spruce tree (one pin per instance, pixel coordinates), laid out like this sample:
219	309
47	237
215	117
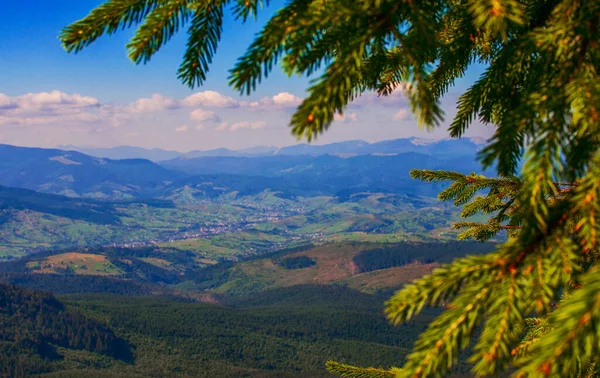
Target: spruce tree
533	305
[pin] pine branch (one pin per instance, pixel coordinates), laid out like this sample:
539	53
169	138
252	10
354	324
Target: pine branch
502	329
440	287
267	48
244	8
421	99
108	18
348	371
158	28
437	349
494	16
575	336
204	35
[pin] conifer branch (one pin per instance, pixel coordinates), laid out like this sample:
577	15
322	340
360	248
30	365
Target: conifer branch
246	8
204	35
439	287
108	18
541	91
563	350
348	371
158	28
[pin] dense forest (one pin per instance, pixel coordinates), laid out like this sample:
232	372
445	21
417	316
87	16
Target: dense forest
61	284
406	253
287	332
33	325
295	262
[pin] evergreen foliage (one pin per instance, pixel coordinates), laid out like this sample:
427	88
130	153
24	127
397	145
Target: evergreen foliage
34	324
295	262
60	284
288	332
541	91
407	253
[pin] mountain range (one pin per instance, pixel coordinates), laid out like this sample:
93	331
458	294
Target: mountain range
441	148
302	170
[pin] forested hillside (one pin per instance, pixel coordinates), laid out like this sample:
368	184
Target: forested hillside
283	333
36	330
410	253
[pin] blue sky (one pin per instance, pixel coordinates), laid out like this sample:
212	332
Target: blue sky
99	98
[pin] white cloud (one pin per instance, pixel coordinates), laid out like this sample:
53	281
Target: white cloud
155	103
247	125
47	101
286	99
182	129
222	127
76	118
209	99
48	108
6	102
199	126
283	100
255	125
54	99
346	118
401	115
202	115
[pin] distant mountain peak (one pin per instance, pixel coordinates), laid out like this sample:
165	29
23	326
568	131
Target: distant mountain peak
64	160
422	141
346	148
479	140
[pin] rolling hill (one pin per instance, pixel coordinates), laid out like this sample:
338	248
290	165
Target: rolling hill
74	174
369	268
218	223
372	268
37	331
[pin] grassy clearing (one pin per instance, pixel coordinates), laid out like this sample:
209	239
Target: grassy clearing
385	279
78	263
157	262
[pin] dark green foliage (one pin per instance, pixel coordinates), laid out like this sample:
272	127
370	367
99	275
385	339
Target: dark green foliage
287	332
34	324
313	296
296	262
60	284
426	253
